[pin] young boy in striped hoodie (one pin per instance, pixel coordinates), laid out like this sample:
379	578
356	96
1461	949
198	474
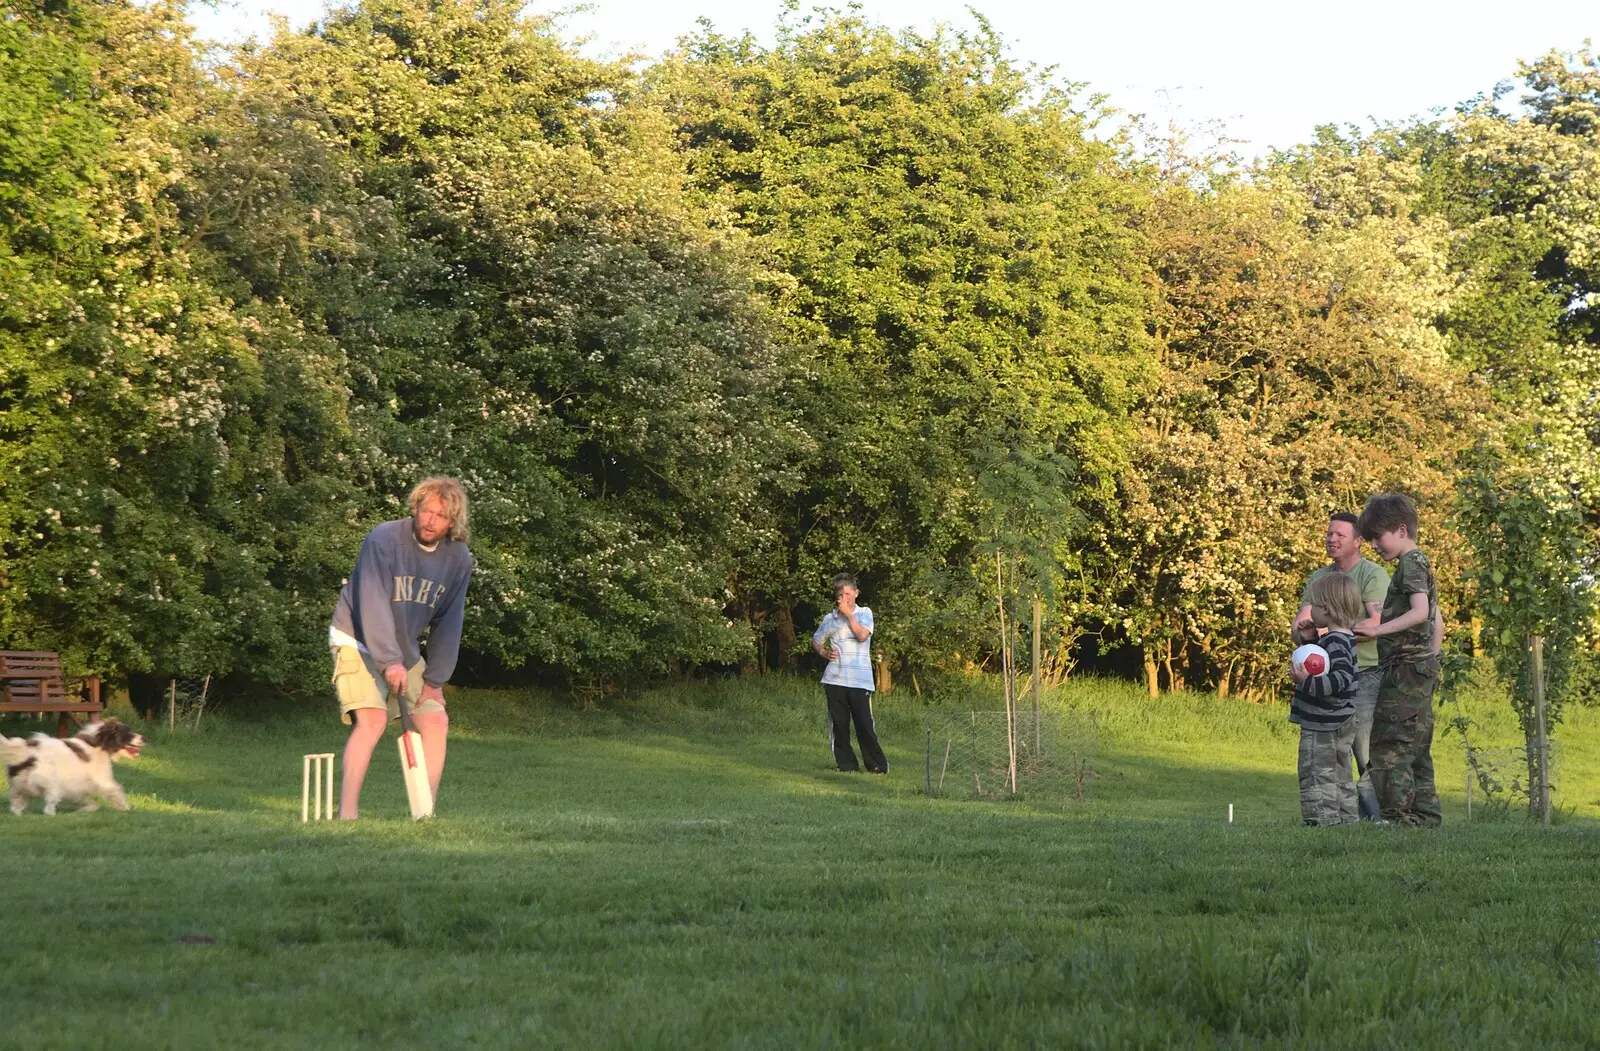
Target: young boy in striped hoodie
1324	705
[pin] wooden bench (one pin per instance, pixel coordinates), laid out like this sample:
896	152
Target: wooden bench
34	682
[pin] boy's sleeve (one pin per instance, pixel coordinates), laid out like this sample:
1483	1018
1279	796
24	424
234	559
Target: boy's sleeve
1341	674
816	636
864	618
1411	572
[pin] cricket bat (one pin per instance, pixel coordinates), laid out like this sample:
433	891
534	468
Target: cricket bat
412	764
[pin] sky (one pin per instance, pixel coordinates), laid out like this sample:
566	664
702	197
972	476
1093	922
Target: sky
1269	70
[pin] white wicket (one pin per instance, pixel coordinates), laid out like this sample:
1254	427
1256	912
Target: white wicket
313	806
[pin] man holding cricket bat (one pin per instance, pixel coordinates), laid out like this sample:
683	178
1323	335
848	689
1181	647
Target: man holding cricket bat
410	577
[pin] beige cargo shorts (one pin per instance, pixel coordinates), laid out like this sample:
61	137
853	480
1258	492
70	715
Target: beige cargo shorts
359	683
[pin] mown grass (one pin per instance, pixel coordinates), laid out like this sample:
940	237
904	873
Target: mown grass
684	869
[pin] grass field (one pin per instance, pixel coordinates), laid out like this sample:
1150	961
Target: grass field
685	869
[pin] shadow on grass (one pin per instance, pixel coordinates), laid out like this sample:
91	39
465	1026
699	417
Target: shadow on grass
255	768
498	778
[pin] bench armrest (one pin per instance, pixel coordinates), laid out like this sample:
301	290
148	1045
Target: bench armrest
87	685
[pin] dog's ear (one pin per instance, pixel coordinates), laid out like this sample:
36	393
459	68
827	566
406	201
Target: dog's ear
110	735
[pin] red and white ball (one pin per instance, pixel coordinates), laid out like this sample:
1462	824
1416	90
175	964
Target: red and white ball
1310	658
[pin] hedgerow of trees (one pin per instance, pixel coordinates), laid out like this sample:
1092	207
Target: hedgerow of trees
699	333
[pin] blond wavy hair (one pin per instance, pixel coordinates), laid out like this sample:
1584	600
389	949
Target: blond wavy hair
454	496
1338	594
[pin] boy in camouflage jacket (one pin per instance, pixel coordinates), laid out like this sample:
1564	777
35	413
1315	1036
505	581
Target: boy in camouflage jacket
1409	636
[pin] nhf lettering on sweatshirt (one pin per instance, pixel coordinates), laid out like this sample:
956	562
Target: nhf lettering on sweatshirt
398	591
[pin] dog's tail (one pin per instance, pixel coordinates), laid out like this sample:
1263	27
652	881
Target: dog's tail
13	749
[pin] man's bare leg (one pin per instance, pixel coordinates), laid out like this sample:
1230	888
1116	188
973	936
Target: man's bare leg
364	737
433	726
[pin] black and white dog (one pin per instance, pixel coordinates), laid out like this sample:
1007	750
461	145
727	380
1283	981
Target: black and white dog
77	769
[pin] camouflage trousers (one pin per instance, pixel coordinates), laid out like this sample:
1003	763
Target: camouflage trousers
1327	792
1402	742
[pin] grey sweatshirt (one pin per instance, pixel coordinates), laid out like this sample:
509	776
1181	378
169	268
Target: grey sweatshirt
398	591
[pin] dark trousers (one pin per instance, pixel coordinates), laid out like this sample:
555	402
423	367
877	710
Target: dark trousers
845	704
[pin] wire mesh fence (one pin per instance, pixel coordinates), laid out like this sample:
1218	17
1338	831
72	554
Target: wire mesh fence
185	702
1499	781
969	755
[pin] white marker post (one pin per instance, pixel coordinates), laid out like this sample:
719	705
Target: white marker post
1230	813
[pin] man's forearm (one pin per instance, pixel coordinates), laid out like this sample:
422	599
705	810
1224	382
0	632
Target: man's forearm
1296	636
1374	615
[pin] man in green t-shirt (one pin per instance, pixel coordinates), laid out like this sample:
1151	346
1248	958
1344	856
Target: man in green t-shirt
1344	552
